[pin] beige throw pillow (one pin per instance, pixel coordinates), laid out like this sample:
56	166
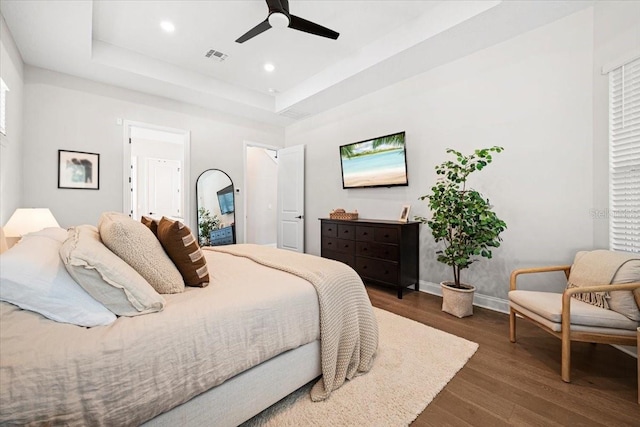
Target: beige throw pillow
608	267
181	245
106	277
627	302
137	246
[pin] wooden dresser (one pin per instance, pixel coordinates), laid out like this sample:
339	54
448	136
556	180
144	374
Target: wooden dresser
381	252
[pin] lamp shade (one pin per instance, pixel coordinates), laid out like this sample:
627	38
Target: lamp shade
28	220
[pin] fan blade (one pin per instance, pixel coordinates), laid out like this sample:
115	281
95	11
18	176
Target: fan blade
285	5
277	6
260	28
311	27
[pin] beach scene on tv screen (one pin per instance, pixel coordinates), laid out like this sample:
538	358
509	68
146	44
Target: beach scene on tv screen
378	161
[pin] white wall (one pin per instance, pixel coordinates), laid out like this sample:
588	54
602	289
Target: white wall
531	95
65	112
262	197
11	70
616	35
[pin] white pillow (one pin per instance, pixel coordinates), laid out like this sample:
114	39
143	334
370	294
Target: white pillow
33	277
106	277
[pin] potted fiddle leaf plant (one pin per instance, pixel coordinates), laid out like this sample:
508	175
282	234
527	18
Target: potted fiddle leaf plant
464	222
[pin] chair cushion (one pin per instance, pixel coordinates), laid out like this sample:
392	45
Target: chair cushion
548	305
627	302
602	267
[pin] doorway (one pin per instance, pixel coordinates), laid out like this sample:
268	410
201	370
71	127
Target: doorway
274	196
261	194
156	170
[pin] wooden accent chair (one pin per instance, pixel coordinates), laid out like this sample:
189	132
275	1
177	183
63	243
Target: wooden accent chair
587	322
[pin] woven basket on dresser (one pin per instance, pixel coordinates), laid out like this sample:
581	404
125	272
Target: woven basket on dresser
343	215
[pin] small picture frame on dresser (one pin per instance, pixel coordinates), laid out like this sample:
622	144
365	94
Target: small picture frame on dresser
404	213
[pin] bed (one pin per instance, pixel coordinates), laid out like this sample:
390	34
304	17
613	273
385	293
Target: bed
216	355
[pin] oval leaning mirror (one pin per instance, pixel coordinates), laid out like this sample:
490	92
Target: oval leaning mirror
216	208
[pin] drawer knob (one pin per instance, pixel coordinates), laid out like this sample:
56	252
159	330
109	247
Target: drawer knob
329	243
346	246
364	249
386	236
365	233
364	267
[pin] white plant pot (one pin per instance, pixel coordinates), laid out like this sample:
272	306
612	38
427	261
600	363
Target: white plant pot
458	302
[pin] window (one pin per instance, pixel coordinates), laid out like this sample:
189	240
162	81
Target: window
3	107
624	157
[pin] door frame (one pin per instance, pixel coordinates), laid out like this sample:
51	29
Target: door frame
126	165
245	145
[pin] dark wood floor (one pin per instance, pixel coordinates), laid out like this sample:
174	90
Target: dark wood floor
519	384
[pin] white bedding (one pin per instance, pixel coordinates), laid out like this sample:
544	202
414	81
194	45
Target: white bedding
139	367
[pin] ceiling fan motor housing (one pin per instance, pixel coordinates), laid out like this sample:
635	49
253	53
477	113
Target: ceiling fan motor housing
278	20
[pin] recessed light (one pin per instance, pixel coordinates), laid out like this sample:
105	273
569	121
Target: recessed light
167	26
272	90
269	67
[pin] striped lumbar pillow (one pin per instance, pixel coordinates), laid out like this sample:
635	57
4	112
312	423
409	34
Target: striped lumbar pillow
181	246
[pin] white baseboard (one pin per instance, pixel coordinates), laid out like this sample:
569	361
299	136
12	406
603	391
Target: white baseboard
500	305
484	301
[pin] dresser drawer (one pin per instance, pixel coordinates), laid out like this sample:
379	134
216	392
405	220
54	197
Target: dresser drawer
329	229
340	256
339	245
377	250
375	269
364	234
346	231
386	235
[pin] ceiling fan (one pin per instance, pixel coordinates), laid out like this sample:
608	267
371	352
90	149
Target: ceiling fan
280	17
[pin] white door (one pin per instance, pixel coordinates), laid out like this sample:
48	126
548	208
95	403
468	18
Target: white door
164	188
291	198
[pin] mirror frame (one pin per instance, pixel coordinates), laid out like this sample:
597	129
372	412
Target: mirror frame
235	237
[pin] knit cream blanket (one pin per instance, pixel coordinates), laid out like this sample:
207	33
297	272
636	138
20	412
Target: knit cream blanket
348	327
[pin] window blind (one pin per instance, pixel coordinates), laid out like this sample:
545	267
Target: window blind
624	157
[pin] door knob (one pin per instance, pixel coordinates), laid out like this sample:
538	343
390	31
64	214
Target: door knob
300	217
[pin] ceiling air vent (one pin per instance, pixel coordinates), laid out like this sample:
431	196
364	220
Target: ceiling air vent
294	114
216	55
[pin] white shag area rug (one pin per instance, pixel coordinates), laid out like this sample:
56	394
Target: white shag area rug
414	362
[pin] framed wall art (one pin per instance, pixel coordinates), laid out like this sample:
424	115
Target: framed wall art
79	170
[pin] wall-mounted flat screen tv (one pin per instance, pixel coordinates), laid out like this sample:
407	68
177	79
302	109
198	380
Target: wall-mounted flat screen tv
378	162
225	199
